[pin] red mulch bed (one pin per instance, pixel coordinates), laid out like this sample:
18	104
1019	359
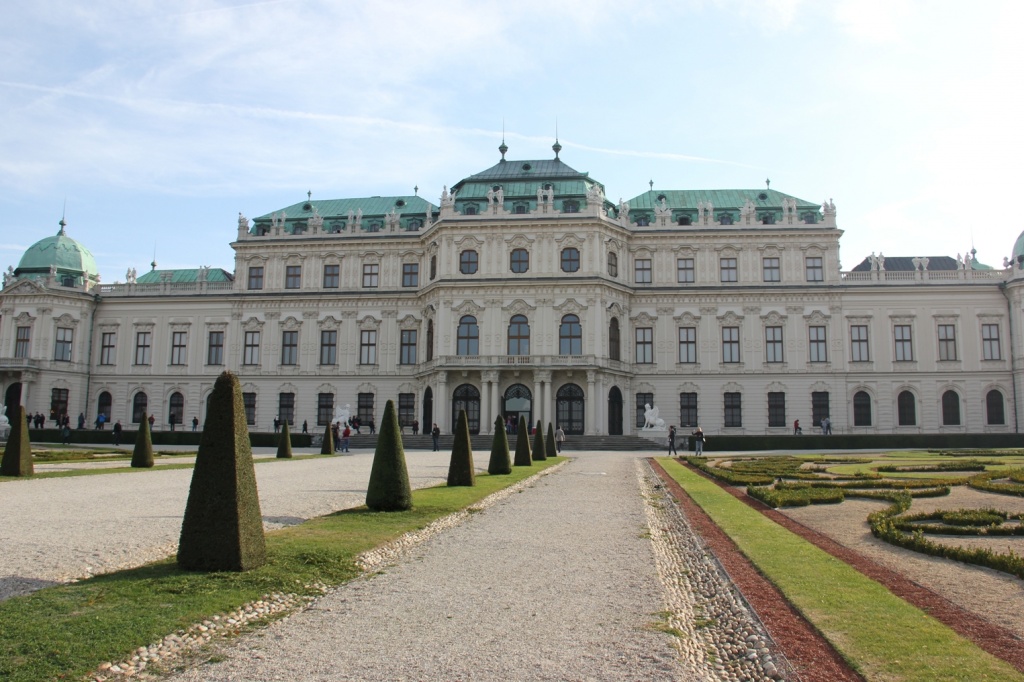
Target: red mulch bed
995	640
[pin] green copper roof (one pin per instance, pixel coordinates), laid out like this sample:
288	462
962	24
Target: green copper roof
406	206
1018	248
185	275
525	171
732	199
60	252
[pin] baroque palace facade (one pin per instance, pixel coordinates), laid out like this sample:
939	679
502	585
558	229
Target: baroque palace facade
528	292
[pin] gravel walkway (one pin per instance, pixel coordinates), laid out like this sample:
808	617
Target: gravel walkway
560	582
60	529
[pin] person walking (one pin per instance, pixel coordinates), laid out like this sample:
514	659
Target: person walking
345	435
117	432
277	424
672	440
826	426
698	441
171	419
372	425
415	427
796	427
435	433
195	424
65	434
305	426
559	438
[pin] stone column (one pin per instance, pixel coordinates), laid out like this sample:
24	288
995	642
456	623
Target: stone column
485	402
543	381
538	401
591	400
442	402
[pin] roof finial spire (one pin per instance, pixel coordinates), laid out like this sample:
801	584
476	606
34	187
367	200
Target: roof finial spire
768	183
62	223
503	147
416	190
651	184
557	147
309	195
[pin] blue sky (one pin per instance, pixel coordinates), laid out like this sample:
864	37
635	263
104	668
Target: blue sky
159	122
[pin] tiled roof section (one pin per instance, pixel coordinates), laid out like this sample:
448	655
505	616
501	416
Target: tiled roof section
731	199
185	275
906	264
522	190
370	206
526	171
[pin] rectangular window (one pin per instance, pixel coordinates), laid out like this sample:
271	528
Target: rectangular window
990	342
62	348
772	270
904	345
255	277
643	401
859	343
178	348
332	276
815	270
328	346
727	267
249	403
644	345
688	344
410	274
730	344
406	409
368	347
21	345
407	349
251	349
947	342
688	409
684	271
371	275
215	349
143	346
776	409
59	401
293	277
365	408
817	344
290	347
819	407
733	410
286	407
642	271
324	408
773	344
107	341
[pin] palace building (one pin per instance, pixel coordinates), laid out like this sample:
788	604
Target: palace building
527	292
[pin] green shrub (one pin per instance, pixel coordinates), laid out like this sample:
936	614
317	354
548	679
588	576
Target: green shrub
17	460
549	443
223	526
142	454
523	455
460	467
795	497
284	446
991	482
389	488
500	462
728	476
538	443
964	465
327	446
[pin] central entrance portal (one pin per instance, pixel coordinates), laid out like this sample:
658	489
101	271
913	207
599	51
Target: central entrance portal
518	403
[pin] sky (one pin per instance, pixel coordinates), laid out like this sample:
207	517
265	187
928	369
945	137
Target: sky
151	125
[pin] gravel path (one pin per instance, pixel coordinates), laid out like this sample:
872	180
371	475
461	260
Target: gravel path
60	529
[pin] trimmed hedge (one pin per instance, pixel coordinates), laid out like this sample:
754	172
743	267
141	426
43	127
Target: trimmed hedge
389	488
538	443
284	446
776	498
500	463
549	442
523	456
142	453
460	466
985	482
17	459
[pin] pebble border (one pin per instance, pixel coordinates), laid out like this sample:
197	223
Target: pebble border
719	635
189	640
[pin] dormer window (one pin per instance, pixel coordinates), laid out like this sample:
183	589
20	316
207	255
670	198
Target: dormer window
414	224
767	218
570	207
810	218
642	221
373	227
469	209
725	218
684	220
520	209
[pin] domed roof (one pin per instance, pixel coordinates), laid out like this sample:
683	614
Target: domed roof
1018	247
61	253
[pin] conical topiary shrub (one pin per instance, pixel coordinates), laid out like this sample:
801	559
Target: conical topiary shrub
284	446
523	458
549	442
538	443
327	447
460	467
500	462
17	460
223	526
389	488
142	455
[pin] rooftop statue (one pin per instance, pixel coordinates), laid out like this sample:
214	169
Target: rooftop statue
243	222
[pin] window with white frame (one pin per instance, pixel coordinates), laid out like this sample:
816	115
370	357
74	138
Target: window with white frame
289	347
251	349
773	344
644	345
815	269
371	275
179	341
328	346
143	347
407	347
990	342
817	344
62	347
368	347
332	276
947	342
22	343
904	349
859	343
730	344
107	341
728	269
688	345
772	269
215	349
642	271
733	404
293	277
684	270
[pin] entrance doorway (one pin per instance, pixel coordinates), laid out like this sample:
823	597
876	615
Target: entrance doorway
427	422
569	407
518	403
466	397
615	412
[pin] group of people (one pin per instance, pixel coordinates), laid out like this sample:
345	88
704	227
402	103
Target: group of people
697	435
341	436
826	427
38	420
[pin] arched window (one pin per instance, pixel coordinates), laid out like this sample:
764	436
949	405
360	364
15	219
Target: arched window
466	397
469	209
433	267
519	335
725	219
614	349
430	340
468	336
906	409
994	407
570	409
643	220
105	401
861	409
570	336
613	264
176	413
950	408
140	403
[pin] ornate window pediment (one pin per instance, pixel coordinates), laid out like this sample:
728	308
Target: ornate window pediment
256	260
732	387
644	387
287	388
468	308
730	319
641	252
366	387
329	322
570	307
24	319
249	388
519	307
773	319
570	240
771	251
252	324
66	320
519	241
294	259
816	318
688	387
684	251
687	319
776	387
813	250
408	322
644	320
469	242
617	310
819	386
291	323
326	388
369	322
728	251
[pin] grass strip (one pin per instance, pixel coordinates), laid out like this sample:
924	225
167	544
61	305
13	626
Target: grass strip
880	635
130	470
66	631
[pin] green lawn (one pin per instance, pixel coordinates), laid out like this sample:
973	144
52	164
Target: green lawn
880	635
66	631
